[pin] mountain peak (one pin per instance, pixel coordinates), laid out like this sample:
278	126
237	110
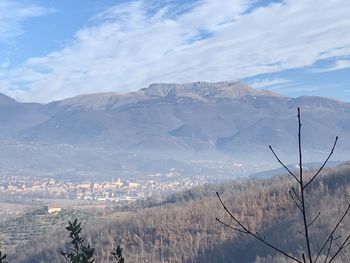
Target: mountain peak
204	91
223	89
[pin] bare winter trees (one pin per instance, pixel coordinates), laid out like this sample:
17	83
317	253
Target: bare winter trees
81	251
331	247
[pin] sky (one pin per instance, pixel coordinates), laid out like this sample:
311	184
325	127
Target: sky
50	50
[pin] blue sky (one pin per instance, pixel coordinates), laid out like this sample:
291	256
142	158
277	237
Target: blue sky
52	49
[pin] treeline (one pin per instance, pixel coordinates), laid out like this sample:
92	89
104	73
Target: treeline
183	227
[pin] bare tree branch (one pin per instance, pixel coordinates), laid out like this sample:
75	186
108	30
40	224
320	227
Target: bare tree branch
348	244
285	167
347	258
325	162
334	239
329	249
295	202
301	233
313	221
257	235
229	226
296	194
307	238
332	233
340	249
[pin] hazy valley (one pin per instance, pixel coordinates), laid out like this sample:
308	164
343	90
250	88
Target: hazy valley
144	167
182	227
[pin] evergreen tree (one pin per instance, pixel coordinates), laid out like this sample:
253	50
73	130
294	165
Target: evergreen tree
80	251
117	254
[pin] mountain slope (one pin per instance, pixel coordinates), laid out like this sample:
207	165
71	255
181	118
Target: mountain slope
16	116
200	117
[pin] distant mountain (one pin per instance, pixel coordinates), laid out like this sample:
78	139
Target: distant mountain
15	116
196	118
202	91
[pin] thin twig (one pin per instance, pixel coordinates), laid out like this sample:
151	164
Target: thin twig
325	162
340	249
285	167
334	239
343	252
301	233
348	244
329	249
257	233
256	236
332	233
296	194
295	201
229	226
313	221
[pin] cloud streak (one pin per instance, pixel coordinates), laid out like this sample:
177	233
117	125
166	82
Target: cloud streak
12	15
267	82
137	43
338	65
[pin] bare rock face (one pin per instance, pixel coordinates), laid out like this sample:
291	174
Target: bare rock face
205	90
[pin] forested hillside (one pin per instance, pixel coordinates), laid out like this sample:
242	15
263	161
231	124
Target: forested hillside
183	228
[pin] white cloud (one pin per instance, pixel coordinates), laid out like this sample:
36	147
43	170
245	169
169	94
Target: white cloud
13	13
267	82
137	43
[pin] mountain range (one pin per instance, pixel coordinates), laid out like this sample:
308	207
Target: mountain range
196	118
